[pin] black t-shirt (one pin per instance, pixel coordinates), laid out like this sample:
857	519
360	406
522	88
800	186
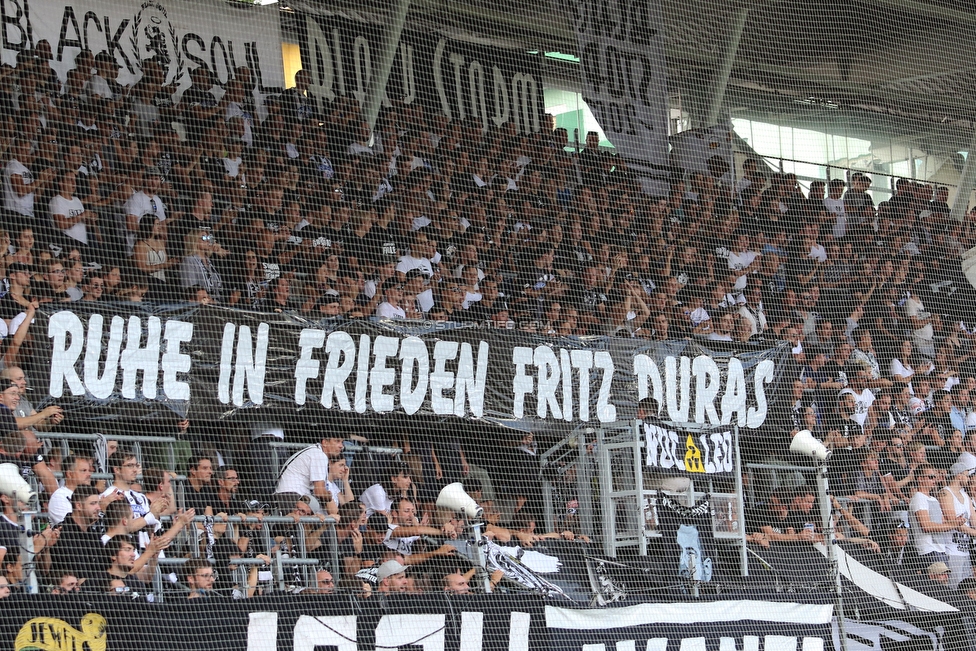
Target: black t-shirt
9	537
201	499
798	521
897	471
80	552
762	516
941	423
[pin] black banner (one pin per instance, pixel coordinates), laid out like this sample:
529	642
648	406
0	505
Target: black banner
440	622
725	624
434	622
461	80
212	362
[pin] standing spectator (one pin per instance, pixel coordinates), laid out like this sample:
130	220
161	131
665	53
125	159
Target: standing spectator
392	295
896	473
27	416
956	502
199	104
125	470
379	497
197	271
80	549
28	453
742	261
391	577
923	323
144	202
200	493
77	472
228	483
927	518
76	223
19	184
150	258
306	474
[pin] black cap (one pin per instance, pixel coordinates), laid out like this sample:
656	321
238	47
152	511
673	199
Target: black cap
252	506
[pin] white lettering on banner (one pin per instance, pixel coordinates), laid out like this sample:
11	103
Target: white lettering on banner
326	63
673	391
515	99
180	36
393	631
455	381
312	632
707	453
556	374
427	631
624	77
141	353
750	642
107	357
466	87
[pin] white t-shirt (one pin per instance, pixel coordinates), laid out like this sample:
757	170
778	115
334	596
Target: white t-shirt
59	506
470	299
333	488
21	205
99	86
914	308
924	542
862	402
409	263
836	207
232	166
375	499
308	466
897	368
425	300
235	110
386	311
140	204
70	208
402	546
739	261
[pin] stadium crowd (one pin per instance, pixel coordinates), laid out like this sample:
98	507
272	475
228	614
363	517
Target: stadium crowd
115	193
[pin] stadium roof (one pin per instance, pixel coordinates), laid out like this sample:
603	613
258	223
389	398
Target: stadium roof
904	69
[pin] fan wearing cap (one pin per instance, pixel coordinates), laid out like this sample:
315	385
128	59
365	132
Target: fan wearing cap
144	201
104	82
899	560
392	295
955	500
16	301
306	473
937	586
391	577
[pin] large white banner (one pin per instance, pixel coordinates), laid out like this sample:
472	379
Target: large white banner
178	34
624	80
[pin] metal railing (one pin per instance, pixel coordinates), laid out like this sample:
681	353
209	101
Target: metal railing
100	444
280	562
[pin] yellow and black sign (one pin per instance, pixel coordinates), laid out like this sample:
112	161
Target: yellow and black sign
49	634
693	457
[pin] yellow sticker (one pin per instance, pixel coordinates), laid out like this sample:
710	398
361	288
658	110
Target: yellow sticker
693	456
49	634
